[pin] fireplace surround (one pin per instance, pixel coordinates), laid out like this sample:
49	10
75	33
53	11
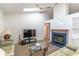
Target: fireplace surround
59	37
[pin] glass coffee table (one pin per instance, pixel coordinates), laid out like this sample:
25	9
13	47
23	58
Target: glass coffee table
38	47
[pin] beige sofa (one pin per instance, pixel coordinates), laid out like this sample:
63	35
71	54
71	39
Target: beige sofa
8	47
66	51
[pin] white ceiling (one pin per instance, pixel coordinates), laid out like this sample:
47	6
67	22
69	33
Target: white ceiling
73	8
18	7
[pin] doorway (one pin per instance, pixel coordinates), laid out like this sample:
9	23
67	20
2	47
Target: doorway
46	31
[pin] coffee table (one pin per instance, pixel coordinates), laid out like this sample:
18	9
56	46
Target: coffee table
38	47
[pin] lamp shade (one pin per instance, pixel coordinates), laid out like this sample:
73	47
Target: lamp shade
6	35
7	32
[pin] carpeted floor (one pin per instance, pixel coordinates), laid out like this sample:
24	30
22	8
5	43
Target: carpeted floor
22	50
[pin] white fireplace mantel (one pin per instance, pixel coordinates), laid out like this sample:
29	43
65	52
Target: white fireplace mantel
70	23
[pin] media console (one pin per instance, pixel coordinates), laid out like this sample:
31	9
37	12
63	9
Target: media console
29	40
29	36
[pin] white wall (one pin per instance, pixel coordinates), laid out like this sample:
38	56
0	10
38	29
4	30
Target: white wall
60	10
61	20
75	28
1	23
17	22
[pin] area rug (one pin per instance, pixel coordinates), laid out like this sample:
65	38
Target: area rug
22	50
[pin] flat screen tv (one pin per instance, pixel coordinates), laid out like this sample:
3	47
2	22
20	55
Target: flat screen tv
29	33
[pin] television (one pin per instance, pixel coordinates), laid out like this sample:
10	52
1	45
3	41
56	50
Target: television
29	33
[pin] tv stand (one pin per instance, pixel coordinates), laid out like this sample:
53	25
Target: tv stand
31	40
28	40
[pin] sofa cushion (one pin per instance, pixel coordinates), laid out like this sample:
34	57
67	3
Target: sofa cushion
2	52
59	54
7	48
68	52
77	52
63	52
71	47
6	43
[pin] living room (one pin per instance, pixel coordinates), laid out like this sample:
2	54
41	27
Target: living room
41	22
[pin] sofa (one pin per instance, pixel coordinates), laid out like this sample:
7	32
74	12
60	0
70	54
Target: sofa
2	52
8	47
66	51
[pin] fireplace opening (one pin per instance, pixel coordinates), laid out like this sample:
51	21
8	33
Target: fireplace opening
59	39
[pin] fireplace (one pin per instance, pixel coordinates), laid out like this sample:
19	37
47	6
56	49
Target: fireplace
59	38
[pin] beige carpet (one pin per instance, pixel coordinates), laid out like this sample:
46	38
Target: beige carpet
22	50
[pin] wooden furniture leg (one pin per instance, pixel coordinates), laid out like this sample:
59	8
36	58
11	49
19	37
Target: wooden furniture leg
45	50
